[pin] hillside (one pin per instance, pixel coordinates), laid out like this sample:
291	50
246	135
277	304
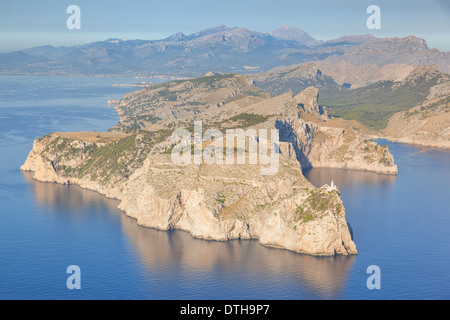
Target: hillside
211	98
426	125
373	105
295	79
356	76
235	101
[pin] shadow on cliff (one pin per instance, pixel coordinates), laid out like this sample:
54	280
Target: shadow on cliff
287	134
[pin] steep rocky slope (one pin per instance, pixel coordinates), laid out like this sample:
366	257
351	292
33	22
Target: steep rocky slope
409	50
228	101
321	142
328	77
397	101
294	78
426	125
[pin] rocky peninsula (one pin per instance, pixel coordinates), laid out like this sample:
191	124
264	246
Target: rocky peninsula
132	163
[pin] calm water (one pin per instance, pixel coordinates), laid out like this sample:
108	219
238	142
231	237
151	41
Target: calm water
400	223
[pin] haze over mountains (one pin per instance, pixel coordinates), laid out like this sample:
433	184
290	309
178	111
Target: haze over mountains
359	77
222	49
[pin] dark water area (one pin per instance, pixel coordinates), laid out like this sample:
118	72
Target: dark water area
400	223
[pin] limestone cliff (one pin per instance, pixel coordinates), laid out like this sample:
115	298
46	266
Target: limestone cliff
339	146
318	141
308	100
215	202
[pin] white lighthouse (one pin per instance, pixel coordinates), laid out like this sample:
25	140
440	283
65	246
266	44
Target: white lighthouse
332	186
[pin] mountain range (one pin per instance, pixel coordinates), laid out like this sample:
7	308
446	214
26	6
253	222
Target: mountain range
222	49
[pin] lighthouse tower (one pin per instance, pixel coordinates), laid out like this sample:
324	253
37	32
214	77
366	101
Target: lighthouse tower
332	186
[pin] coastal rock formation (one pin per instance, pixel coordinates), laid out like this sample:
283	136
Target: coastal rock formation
218	200
320	142
356	76
214	202
308	100
335	147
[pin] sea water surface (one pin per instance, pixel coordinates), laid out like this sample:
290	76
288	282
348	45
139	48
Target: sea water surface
400	224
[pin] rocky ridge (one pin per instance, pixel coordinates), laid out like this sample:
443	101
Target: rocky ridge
425	125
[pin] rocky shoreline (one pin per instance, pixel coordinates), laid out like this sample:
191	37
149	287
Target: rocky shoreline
284	211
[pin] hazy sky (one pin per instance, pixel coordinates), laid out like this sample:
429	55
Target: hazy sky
25	23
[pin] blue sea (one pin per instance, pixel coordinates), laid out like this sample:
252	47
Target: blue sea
400	223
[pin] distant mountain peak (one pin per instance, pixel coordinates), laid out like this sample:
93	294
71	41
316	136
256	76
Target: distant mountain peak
287	32
176	37
412	42
216	29
288	27
352	39
419	41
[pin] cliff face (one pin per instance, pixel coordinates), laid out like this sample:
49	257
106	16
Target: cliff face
321	142
308	101
215	202
325	146
427	124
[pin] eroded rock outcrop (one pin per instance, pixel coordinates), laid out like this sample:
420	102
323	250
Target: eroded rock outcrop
308	100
